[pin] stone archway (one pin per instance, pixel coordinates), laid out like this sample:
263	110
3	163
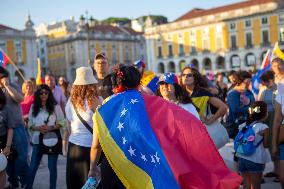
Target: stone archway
250	59
171	67
161	68
220	62
235	61
207	64
194	64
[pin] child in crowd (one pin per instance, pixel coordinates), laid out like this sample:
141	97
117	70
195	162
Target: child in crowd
252	166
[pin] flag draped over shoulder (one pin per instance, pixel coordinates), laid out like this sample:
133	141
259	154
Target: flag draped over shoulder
151	143
4	59
266	64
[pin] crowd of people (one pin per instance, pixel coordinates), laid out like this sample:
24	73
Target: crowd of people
32	120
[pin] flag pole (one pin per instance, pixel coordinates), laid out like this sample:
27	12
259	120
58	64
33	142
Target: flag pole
14	65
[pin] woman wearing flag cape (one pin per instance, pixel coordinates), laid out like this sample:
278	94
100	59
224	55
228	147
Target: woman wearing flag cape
151	143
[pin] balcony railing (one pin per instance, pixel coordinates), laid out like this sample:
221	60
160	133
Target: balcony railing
249	46
265	44
234	48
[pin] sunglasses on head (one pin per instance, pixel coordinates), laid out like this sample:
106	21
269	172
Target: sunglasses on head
187	75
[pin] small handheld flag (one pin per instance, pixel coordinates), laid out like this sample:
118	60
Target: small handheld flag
266	64
278	52
38	77
4	59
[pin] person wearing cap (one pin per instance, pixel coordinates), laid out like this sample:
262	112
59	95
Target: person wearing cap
16	170
101	69
84	100
149	80
170	90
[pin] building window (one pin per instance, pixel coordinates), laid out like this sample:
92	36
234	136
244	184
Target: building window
219	43
248	23
193	47
264	20
159	51
18	51
235	61
282	34
3	46
233	42
281	18
181	49
265	37
250	59
205	45
170	50
232	26
248	40
42	51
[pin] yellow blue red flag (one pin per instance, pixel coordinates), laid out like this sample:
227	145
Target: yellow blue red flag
151	143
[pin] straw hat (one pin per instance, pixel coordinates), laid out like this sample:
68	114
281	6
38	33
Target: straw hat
84	76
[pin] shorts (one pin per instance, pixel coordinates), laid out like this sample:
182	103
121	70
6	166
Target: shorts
249	166
281	152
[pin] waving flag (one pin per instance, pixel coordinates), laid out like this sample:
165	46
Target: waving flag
38	77
4	59
151	143
266	64
277	51
150	80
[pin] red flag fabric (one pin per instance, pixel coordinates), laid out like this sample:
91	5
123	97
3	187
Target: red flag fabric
188	148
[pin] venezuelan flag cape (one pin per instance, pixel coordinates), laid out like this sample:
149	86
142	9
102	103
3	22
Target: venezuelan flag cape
150	80
151	143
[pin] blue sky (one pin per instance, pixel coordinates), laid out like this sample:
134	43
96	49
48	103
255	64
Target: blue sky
14	12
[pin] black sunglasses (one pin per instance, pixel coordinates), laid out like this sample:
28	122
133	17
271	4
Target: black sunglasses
43	93
187	75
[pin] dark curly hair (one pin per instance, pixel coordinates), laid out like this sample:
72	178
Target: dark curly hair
199	80
126	76
2	99
50	103
241	76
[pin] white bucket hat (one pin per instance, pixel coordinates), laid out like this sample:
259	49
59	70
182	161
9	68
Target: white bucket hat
84	76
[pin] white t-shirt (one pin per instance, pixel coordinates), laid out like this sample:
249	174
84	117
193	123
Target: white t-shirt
190	108
79	135
261	154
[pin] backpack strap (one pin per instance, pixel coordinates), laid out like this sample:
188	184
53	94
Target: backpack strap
252	124
83	121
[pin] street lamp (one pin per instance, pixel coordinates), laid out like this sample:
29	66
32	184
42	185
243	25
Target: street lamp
87	23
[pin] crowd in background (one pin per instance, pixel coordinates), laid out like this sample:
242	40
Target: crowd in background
39	109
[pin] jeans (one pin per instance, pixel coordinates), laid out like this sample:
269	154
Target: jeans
35	161
17	170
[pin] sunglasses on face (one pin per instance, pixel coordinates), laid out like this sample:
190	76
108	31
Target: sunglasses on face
43	93
187	75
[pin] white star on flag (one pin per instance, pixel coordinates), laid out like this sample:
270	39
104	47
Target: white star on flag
124	140
131	151
143	157
152	159
123	112
120	126
133	101
157	158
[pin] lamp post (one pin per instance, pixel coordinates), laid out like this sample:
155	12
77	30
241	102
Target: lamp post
88	23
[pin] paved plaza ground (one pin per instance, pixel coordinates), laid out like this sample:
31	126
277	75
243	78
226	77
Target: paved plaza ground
42	177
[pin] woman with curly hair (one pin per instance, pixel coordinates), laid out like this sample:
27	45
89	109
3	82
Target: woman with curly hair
196	86
79	110
45	116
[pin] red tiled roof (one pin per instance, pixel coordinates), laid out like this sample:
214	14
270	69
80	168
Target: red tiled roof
203	12
132	32
3	27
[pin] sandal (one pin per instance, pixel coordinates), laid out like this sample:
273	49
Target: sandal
270	174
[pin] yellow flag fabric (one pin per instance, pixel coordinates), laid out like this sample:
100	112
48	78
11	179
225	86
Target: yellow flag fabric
278	52
38	77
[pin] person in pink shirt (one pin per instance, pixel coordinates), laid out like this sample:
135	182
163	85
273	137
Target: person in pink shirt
28	91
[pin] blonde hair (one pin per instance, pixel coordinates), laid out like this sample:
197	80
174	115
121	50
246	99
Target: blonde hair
80	93
26	82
